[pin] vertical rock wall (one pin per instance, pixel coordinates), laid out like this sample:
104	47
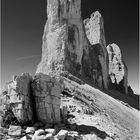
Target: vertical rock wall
46	92
65	46
75	46
18	97
94	27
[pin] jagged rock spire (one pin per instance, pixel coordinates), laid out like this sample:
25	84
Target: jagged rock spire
118	72
94	27
65	45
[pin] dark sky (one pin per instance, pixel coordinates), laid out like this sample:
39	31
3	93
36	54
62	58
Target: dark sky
23	24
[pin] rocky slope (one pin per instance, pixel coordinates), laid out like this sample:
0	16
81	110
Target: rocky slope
100	115
86	113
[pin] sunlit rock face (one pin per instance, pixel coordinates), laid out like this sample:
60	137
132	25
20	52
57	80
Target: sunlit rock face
46	93
32	99
65	46
17	96
118	72
94	27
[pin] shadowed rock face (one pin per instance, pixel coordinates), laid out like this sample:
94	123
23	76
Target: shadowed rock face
65	46
94	27
117	68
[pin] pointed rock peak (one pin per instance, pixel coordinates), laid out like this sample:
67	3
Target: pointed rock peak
114	48
118	72
63	9
96	14
94	27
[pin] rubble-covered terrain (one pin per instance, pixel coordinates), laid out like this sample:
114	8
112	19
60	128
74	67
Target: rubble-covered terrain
76	111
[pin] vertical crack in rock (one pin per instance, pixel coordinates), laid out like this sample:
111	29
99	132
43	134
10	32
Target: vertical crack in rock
46	91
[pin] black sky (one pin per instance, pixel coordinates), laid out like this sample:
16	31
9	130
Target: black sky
23	24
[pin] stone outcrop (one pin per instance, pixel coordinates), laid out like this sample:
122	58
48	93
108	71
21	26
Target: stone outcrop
46	92
65	46
17	96
118	72
94	27
14	130
31	100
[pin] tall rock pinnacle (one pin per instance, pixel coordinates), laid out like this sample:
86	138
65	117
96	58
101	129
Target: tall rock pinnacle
96	36
73	46
65	45
117	68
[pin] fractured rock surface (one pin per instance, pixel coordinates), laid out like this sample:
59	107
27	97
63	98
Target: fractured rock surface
28	100
117	69
14	130
65	45
69	44
46	91
18	97
94	27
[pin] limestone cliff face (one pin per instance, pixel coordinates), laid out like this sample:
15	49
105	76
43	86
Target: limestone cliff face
32	99
94	27
71	45
46	92
65	45
118	72
17	96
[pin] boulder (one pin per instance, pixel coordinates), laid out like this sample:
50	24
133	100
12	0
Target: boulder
118	72
39	135
62	134
49	137
50	131
17	97
14	130
46	92
30	130
24	138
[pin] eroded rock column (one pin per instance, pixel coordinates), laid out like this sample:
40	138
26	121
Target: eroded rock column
65	45
46	91
117	69
94	27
